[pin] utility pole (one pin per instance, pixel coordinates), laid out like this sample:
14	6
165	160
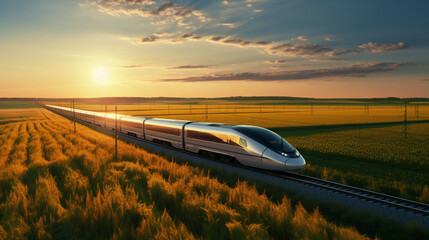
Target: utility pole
417	111
70	113
405	121
116	131
74	118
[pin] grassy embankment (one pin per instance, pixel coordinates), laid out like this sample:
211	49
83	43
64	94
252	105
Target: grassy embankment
58	184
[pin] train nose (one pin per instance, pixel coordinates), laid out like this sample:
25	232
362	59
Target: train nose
295	164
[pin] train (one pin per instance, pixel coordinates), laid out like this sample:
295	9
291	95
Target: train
244	144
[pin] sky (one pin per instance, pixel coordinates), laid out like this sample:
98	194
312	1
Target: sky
214	48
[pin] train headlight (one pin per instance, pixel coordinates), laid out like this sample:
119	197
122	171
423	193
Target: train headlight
293	154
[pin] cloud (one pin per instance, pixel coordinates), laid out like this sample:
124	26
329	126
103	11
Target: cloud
258	10
342	51
302	38
281	48
148	39
358	70
327	59
387	47
230	25
131	66
189	36
328	39
425	79
159	12
368	47
189	67
280	61
298	49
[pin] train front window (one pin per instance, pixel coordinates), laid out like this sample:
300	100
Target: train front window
266	138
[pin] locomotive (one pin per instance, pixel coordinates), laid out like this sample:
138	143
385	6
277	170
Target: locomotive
248	145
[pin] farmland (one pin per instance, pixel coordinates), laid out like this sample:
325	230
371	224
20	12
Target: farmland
380	159
269	114
59	184
360	143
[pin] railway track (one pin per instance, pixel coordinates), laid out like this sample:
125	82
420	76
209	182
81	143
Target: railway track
371	196
414	207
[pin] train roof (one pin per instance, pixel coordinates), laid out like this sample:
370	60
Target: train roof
168	120
214	125
132	118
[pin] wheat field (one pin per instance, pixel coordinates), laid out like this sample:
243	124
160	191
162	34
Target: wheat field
341	142
59	184
268	116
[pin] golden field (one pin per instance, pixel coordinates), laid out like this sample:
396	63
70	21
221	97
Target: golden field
268	116
337	138
59	184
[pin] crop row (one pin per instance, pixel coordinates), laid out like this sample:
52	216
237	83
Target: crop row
55	183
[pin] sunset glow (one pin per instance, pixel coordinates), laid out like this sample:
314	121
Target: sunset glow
214	48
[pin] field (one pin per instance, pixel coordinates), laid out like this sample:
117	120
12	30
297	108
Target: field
55	183
268	114
380	159
360	143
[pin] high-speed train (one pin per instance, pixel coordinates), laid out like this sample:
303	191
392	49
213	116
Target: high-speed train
248	145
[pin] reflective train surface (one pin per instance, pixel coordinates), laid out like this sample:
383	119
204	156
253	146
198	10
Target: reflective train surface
248	145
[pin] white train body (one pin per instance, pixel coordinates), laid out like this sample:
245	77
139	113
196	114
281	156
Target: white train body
249	145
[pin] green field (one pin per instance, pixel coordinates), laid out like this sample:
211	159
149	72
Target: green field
381	158
17	104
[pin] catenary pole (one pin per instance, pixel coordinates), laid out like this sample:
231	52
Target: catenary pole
74	118
116	131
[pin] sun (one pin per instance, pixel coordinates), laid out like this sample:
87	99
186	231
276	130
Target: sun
100	75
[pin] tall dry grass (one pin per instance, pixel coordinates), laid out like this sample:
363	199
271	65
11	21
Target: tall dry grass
59	184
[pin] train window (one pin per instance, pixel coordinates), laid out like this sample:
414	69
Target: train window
243	142
211	137
132	124
112	121
266	138
233	140
163	129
